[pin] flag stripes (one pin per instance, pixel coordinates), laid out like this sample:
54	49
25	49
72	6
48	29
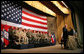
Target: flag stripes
26	21
34	16
31	20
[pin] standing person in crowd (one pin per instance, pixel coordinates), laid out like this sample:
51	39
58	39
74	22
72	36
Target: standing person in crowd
49	34
54	38
65	36
38	38
77	40
2	40
40	42
16	37
5	37
26	40
49	38
11	37
31	36
35	38
28	33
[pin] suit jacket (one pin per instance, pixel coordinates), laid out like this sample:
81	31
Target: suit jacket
65	33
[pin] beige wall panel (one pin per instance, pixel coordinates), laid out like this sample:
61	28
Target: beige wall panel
60	24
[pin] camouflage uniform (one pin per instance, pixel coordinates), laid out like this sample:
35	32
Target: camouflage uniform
25	38
10	34
38	37
30	36
16	34
35	38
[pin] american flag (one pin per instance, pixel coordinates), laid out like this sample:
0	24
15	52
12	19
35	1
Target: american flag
13	14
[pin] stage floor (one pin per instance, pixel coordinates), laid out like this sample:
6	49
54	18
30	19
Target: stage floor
47	49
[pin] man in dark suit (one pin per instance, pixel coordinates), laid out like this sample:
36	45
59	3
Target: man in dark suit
65	36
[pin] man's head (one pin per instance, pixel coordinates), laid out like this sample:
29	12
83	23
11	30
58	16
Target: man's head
16	27
24	30
29	30
38	32
66	25
43	33
34	31
12	27
70	27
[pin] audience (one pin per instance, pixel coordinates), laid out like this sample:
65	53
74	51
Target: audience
35	37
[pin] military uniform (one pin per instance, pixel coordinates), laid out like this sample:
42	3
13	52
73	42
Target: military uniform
41	40
11	37
17	34
11	33
35	39
38	38
30	36
25	38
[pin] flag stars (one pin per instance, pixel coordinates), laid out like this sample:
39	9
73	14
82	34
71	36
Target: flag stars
2	15
5	9
19	21
12	14
16	8
18	14
10	7
10	10
16	19
13	9
12	2
2	6
20	17
3	2
12	18
2	10
16	4
8	4
7	16
5	5
7	12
